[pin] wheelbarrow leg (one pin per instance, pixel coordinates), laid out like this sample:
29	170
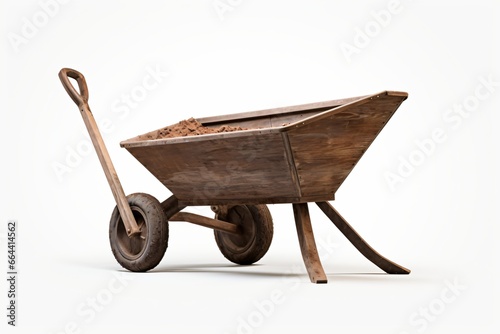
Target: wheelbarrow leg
361	245
307	244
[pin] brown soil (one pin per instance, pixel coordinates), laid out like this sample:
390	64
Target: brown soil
189	127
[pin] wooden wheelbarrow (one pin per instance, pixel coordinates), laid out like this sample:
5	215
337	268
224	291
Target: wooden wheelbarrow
296	154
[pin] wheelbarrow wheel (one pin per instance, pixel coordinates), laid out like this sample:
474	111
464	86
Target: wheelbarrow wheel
256	233
142	251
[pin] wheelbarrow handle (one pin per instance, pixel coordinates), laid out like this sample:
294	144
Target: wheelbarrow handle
80	98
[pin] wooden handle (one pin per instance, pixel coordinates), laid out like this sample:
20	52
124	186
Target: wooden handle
80	98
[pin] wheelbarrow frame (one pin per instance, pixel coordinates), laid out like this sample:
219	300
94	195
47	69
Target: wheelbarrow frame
285	123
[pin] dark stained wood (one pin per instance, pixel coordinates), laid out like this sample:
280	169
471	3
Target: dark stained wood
307	244
219	171
361	245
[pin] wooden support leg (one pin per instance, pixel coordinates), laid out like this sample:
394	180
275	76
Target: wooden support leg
307	244
362	246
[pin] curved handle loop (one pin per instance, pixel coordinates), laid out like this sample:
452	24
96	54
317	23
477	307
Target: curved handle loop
80	98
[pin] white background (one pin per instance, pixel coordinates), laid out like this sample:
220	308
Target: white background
441	220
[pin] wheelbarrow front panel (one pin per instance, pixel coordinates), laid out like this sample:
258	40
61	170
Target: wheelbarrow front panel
326	149
241	169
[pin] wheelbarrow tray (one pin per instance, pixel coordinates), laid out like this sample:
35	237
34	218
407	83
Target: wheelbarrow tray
288	155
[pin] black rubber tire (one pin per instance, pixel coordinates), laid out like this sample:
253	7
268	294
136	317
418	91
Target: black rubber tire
143	251
252	244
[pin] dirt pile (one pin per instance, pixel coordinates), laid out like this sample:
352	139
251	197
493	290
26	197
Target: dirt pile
188	127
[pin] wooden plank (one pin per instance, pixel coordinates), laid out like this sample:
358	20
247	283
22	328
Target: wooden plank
254	200
141	141
171	206
307	244
361	245
277	111
271	121
326	149
369	99
249	167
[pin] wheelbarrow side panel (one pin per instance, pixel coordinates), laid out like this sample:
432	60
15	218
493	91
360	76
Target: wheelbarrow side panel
238	169
275	117
326	148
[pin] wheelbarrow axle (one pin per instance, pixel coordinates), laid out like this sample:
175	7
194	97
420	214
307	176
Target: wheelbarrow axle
215	224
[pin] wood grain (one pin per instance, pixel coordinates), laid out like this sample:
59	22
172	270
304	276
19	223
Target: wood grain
361	245
307	244
109	170
326	149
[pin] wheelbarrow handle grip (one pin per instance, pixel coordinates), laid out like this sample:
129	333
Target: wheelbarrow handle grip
80	98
